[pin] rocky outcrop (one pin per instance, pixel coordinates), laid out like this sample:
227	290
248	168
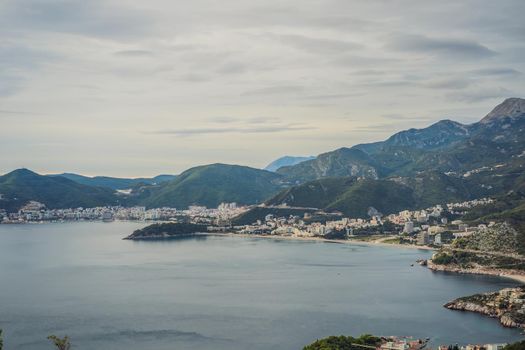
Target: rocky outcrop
507	305
467	306
518	275
510	108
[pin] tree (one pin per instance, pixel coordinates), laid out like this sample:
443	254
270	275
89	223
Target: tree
1	340
60	344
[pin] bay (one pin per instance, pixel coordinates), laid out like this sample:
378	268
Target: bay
84	281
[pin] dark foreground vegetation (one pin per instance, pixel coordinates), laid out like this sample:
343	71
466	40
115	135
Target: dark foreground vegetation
59	343
343	343
364	341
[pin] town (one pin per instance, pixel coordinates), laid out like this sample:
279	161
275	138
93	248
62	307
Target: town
433	226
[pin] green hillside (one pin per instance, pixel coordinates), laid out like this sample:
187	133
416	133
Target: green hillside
210	185
314	194
353	197
114	183
259	213
383	195
22	185
341	162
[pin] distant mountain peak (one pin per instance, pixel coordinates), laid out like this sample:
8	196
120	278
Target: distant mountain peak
512	107
286	161
23	172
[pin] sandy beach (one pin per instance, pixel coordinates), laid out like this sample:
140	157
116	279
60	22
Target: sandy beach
514	275
325	240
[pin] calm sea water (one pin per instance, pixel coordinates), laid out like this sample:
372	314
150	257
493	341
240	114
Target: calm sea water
82	280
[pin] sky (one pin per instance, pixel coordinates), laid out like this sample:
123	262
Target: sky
139	88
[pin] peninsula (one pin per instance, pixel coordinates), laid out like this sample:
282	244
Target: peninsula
167	231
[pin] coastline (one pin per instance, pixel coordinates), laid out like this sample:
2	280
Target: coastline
324	240
510	274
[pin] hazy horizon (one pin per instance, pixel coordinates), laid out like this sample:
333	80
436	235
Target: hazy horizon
134	89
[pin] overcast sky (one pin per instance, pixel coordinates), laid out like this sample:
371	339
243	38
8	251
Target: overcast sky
139	88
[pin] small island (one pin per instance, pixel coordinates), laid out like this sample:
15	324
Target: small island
167	231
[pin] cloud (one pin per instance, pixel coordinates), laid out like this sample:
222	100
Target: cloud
332	96
92	18
440	46
9	85
134	53
265	70
193	78
224	120
232	68
317	45
232	130
403	117
496	72
448	83
482	94
10	112
275	90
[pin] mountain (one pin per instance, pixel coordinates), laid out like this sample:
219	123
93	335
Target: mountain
338	163
22	185
210	185
286	161
447	161
445	146
417	168
114	183
438	135
511	108
380	159
355	196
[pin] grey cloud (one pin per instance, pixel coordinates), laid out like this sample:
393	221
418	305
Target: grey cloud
233	130
332	96
369	72
193	78
261	120
23	57
359	60
392	127
448	83
403	117
134	53
376	128
92	18
479	95
496	71
10	112
224	120
232	68
9	85
441	46
275	90
316	45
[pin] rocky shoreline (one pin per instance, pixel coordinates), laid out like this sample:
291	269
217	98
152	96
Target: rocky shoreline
507	305
516	275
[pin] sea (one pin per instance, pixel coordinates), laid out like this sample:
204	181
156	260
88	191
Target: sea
222	293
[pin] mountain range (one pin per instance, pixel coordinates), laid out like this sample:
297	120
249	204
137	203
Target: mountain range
210	185
444	146
22	185
447	161
115	183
